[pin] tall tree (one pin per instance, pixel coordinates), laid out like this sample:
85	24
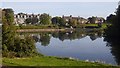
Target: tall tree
112	36
13	45
73	22
45	19
8	29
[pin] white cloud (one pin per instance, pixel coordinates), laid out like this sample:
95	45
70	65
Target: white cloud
59	0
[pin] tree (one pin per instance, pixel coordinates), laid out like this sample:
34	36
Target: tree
112	36
45	39
110	18
58	21
28	20
8	29
33	20
62	22
92	19
73	22
45	19
55	20
12	45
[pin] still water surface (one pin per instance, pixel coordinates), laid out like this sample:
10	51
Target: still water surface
83	46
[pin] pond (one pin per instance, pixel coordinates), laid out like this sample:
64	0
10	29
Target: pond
84	45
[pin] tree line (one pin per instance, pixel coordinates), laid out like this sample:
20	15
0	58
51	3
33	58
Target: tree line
46	19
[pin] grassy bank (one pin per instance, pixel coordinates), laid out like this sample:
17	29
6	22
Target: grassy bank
46	61
103	25
56	26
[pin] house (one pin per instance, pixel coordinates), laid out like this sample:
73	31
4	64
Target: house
21	17
80	20
96	19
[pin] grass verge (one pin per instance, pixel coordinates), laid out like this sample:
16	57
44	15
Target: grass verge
46	61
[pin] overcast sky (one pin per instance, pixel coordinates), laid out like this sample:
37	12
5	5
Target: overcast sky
83	9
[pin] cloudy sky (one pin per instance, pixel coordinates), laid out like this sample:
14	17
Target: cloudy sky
83	9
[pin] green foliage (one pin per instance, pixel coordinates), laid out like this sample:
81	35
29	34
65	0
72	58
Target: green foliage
73	23
113	30
110	18
12	45
92	19
112	36
45	19
33	20
28	20
55	20
62	22
45	39
8	29
7	16
58	21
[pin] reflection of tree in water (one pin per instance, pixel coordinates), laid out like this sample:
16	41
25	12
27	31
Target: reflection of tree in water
115	48
95	35
36	38
45	39
68	35
76	35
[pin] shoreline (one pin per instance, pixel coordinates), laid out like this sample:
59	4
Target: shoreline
41	30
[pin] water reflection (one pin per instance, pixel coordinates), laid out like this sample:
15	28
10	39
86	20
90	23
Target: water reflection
44	37
114	45
81	44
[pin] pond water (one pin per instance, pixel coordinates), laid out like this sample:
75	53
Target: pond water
79	45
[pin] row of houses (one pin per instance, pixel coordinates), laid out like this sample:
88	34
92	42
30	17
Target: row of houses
83	20
21	17
78	19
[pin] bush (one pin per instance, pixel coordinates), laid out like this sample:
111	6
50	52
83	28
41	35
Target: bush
22	48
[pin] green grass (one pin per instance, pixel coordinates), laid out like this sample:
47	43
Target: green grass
54	26
46	61
37	26
103	25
